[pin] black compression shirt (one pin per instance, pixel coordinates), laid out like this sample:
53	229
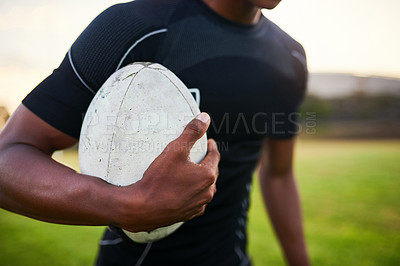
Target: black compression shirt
250	79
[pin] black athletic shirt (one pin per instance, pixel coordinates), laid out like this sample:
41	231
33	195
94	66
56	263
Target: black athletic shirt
249	78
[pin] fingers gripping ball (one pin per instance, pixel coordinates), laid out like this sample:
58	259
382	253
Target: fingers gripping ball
135	114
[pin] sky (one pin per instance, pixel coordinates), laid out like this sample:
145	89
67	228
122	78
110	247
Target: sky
347	36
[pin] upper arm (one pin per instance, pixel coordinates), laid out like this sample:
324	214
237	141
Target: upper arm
277	157
62	99
24	127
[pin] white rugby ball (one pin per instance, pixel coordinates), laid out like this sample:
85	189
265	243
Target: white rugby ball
135	114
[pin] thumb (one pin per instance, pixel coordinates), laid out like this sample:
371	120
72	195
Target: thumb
194	131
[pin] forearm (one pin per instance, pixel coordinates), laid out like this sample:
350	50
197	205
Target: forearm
173	189
283	204
33	184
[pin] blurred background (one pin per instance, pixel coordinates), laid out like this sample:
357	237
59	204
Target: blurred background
347	157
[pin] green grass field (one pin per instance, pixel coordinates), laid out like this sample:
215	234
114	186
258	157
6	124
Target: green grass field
351	203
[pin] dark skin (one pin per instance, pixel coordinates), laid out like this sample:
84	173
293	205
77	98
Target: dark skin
276	173
281	197
241	11
33	184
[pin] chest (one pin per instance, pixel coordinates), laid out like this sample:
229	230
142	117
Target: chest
241	82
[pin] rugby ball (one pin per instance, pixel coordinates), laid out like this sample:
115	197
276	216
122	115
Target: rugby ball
135	114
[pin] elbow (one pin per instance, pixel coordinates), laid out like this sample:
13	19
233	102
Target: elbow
275	173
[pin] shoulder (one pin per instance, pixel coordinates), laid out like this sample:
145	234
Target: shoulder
292	47
285	39
150	11
291	62
98	51
130	16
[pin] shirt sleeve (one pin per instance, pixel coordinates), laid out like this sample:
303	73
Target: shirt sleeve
63	98
284	120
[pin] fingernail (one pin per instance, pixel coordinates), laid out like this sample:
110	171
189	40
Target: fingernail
203	117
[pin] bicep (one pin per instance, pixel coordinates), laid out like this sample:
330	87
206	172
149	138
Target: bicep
24	127
277	157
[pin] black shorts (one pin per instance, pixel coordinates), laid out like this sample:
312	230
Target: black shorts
115	250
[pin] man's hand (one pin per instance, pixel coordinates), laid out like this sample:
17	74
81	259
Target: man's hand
173	188
33	184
